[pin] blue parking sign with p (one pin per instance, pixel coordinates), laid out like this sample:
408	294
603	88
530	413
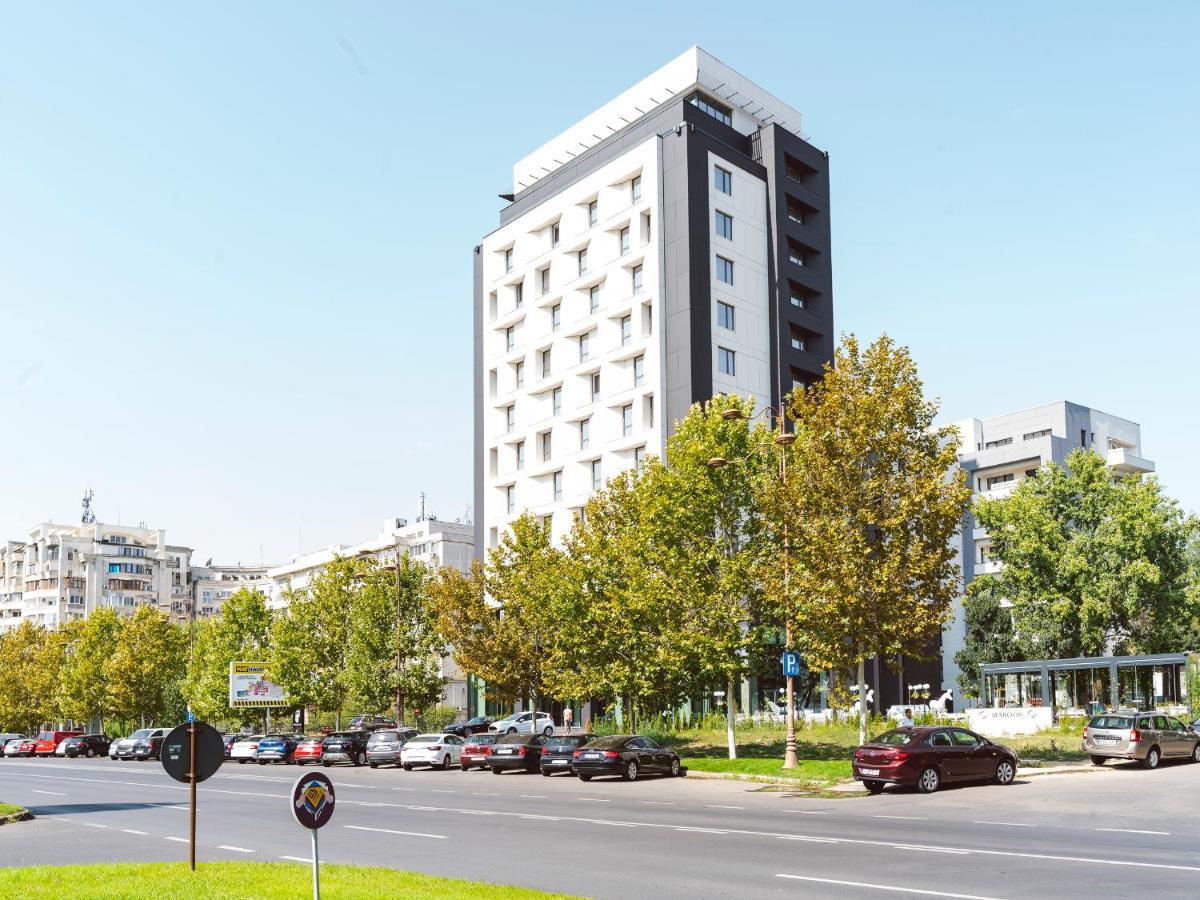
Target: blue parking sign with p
791	662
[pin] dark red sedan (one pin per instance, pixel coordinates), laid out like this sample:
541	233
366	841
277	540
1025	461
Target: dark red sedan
925	757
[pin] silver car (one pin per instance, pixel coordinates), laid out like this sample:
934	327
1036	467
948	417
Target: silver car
1146	737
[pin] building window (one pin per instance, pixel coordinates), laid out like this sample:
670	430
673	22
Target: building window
595	385
718	111
639	458
726	361
519	370
637	279
723	180
1034	435
1002	442
520	455
799	343
639	370
548	522
593	213
546	361
555	317
626	330
583	261
647	319
547	445
594	298
510	415
510	498
509	334
554	235
649	411
557	479
545	280
493	382
627	419
597	475
724	225
518	294
585	433
508	260
635	189
623	234
556	400
798	301
724	270
725	315
584	346
1000	479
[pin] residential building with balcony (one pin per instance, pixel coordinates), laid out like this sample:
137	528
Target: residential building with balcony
998	453
213	585
671	245
65	572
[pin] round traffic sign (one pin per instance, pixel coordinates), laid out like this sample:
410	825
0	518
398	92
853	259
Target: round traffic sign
177	756
312	800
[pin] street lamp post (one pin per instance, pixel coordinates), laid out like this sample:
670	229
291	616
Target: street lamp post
782	440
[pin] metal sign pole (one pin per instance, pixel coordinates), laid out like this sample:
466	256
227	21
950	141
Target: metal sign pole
316	867
192	791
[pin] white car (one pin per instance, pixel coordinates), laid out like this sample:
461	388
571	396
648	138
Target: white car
439	751
519	723
246	749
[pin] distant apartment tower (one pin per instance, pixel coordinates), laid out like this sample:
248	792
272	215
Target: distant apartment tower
213	585
62	573
998	453
672	245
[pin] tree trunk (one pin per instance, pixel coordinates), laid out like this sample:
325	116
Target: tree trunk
729	710
862	702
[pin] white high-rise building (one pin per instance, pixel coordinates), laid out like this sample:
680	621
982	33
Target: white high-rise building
998	453
672	245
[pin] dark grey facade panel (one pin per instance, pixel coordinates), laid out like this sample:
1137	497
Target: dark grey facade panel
480	436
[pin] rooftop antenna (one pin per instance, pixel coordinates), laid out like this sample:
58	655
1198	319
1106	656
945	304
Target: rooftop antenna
89	517
421	507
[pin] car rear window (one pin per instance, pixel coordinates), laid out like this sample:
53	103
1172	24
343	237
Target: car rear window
1109	722
894	738
482	739
383	736
608	743
573	741
141	733
426	739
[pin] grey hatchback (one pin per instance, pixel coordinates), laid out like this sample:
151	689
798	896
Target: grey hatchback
1146	737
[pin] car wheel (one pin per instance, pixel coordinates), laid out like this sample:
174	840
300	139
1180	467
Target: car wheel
90	754
262	762
326	764
360	759
548	730
1196	753
511	731
373	765
497	771
464	766
1152	758
585	777
1005	772
929	781
241	762
546	772
408	767
1101	760
445	766
874	787
631	771
675	767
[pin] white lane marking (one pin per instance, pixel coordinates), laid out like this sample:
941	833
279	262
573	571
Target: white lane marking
1010	824
800	837
178	840
476	793
931	849
911	818
610	822
234	849
303	859
403	789
884	887
440	837
133	831
713	806
1132	831
700	830
92	824
536	796
184	808
596	799
658	802
546	818
442	791
807	812
51	793
477	812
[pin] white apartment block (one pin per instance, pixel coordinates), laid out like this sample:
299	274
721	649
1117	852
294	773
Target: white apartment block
998	453
672	245
65	572
213	585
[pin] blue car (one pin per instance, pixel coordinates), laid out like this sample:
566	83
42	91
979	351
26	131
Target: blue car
278	748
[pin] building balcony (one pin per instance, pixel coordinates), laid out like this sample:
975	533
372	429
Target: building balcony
991	567
1126	462
1000	491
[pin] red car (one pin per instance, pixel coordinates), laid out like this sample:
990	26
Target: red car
20	747
48	741
307	751
477	750
926	757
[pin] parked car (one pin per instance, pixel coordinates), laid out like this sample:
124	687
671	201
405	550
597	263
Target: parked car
926	757
477	749
48	741
143	744
384	746
627	755
277	748
7	736
370	723
516	751
22	746
245	748
439	751
89	745
559	750
477	725
345	746
1146	737
308	750
519	723
230	739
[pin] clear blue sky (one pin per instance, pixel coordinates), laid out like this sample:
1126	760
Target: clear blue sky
235	239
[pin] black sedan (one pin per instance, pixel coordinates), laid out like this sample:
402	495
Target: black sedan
516	751
626	755
477	725
559	751
89	745
345	746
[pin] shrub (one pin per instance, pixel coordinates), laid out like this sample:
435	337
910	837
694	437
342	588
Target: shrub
436	718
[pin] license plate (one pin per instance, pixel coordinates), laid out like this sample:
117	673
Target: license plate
869	771
1107	739
592	755
559	762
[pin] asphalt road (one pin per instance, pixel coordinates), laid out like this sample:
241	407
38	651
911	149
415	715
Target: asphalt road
1112	832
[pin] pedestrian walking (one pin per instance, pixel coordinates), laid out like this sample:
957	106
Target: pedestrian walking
568	719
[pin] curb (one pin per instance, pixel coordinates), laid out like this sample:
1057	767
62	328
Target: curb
756	779
22	816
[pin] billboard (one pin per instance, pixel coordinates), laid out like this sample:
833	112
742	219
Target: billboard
248	686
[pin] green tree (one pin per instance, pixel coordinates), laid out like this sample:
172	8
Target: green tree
1092	564
146	667
871	506
990	636
83	690
31	660
240	633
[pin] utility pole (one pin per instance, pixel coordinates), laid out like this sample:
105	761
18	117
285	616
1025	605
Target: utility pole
399	641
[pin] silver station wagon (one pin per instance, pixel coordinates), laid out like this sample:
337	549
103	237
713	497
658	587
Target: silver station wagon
1146	737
